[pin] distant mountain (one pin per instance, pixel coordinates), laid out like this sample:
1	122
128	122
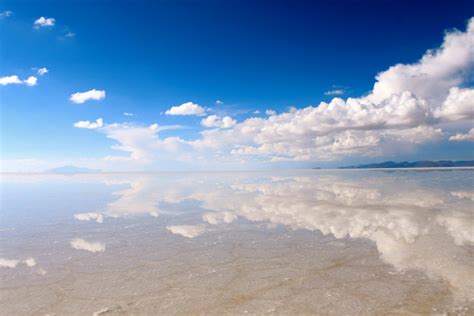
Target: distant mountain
71	169
414	164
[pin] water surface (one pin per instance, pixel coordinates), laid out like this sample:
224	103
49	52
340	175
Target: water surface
292	242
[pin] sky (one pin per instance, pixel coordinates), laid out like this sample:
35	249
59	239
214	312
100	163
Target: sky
219	85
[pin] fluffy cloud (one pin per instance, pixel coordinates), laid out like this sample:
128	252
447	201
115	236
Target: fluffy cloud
10	80
407	107
30	81
188	231
81	97
216	121
42	71
435	74
459	105
81	244
188	108
44	22
90	125
469	136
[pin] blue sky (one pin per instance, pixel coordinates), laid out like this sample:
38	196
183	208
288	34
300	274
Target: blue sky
252	56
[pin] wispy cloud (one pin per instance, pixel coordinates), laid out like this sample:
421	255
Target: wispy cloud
335	92
5	14
42	71
469	136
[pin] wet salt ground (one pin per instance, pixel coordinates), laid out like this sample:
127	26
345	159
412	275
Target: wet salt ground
286	243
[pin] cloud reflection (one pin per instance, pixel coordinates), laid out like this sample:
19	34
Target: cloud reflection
81	244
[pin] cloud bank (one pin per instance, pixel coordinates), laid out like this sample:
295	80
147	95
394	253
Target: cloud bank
409	106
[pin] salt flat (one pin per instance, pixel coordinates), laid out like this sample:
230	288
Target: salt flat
287	242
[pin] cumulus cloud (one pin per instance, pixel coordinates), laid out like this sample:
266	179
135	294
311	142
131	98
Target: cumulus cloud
44	22
407	107
90	216
469	136
188	231
10	80
188	108
216	121
90	125
81	244
42	71
30	81
81	97
128	114
459	105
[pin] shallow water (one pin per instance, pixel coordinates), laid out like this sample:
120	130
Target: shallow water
289	242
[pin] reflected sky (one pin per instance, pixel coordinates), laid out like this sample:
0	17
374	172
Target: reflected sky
414	221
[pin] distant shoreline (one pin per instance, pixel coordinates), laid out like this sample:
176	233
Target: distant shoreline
231	171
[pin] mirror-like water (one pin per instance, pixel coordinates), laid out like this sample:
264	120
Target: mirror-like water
294	242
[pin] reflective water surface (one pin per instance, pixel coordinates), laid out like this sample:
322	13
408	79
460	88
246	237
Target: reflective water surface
294	242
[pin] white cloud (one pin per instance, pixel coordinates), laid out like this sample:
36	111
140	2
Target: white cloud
270	112
216	121
81	97
219	102
469	136
188	108
10	80
44	22
90	125
459	105
99	218
42	71
335	92
5	14
70	34
128	114
436	72
407	107
188	231
81	244
30	81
